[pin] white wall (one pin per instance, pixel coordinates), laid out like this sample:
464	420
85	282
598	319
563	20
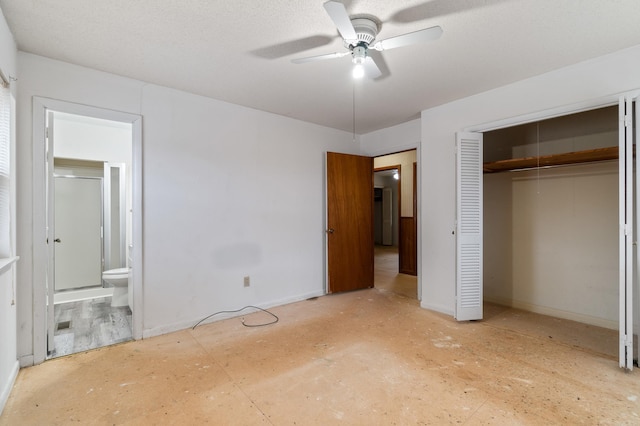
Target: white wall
551	241
590	83
8	339
585	85
56	80
90	138
497	244
393	139
228	192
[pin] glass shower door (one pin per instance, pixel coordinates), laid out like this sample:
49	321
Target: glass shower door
78	232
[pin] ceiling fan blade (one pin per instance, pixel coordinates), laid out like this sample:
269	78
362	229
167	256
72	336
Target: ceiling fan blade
320	57
371	69
421	36
378	58
433	9
338	14
287	48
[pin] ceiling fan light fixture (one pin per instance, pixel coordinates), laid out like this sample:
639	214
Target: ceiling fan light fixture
366	29
359	34
358	56
358	71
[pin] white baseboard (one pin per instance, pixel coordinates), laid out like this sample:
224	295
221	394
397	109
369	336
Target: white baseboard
437	308
558	313
182	325
26	361
6	389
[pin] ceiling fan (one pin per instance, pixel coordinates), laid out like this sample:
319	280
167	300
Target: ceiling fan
359	36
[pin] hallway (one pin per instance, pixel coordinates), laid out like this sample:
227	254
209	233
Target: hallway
386	276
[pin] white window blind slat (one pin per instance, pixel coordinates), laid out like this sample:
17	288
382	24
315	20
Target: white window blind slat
5	172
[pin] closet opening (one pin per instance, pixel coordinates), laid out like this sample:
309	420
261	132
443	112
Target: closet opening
550	218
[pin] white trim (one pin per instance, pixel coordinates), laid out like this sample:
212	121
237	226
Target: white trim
558	313
40	255
170	328
418	213
136	237
395	150
545	114
26	361
325	239
5	263
39	237
6	391
446	310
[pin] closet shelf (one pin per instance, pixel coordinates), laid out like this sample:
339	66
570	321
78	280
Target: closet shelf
586	156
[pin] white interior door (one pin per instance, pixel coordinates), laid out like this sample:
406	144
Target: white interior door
469	226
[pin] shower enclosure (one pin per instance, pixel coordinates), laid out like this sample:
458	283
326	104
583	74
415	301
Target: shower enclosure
90	222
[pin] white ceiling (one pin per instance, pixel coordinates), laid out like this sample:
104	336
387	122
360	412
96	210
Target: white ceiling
240	51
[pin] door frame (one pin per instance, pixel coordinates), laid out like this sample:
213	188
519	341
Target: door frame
397	167
40	248
418	179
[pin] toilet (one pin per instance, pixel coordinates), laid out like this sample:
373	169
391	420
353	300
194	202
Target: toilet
119	278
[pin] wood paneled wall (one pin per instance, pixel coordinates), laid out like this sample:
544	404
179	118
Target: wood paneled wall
408	249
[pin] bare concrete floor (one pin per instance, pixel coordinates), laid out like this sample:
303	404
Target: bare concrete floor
367	357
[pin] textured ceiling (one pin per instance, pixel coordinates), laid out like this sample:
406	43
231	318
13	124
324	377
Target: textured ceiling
240	51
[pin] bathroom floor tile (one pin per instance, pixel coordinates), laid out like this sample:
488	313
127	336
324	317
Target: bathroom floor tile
91	324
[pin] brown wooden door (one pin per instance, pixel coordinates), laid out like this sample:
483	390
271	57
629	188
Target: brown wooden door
349	222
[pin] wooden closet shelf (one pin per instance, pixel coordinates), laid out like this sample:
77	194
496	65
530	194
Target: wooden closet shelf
586	156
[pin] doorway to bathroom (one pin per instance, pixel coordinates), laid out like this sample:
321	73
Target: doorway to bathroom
89	223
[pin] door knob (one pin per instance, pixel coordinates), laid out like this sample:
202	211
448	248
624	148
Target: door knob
330	231
57	240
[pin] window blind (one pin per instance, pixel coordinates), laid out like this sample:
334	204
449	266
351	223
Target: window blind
5	170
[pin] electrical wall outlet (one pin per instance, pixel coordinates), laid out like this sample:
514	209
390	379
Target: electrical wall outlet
247	281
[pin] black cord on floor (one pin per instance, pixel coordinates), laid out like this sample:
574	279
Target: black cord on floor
243	323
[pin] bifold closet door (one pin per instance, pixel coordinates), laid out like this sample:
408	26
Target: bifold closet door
469	226
627	253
